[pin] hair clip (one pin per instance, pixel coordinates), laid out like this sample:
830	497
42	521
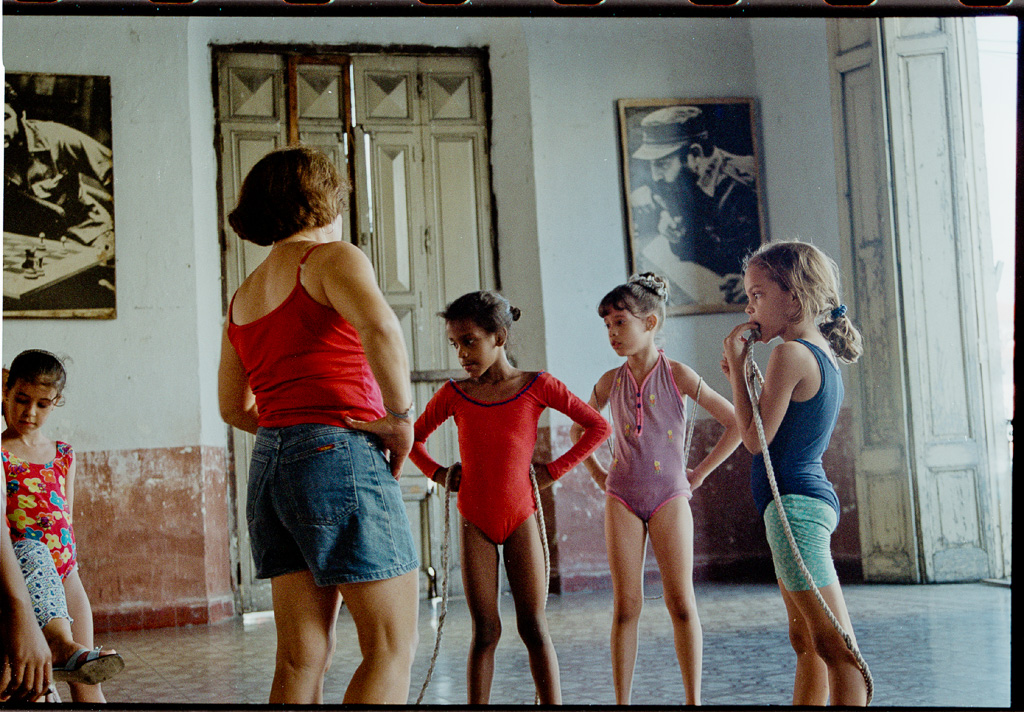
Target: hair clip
839	311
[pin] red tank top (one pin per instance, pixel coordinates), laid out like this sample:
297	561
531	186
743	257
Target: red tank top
305	364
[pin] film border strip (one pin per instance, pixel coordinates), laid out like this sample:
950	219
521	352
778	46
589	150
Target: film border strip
595	8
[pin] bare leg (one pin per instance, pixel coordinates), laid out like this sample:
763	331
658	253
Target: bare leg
524	562
60	639
811	684
480	581
305	616
845	682
671	530
626	540
81	611
385	614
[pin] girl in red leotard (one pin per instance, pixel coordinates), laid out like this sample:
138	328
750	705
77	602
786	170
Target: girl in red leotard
496	411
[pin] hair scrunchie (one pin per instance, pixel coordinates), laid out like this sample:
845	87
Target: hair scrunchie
838	312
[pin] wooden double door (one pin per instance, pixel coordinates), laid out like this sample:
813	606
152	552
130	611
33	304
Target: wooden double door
410	132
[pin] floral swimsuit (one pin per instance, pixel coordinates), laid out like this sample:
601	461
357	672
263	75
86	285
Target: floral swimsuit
36	505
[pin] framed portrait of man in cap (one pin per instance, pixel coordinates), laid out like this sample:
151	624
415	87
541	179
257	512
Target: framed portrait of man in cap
693	196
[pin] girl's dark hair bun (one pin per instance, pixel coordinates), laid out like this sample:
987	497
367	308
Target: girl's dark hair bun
487	309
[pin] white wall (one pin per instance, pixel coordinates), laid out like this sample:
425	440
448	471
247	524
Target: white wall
134	381
791	60
581	226
147	379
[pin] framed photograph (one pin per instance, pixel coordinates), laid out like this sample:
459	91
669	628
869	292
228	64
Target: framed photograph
58	197
693	196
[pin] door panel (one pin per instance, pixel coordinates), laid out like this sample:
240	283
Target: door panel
910	186
250	123
931	103
421	136
413	141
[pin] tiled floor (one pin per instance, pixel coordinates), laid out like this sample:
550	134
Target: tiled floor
929	646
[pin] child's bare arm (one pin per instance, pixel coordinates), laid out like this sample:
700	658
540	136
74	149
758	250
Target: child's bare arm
786	368
25	660
598	400
689	382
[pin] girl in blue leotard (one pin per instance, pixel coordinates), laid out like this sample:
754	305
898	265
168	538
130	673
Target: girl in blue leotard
792	288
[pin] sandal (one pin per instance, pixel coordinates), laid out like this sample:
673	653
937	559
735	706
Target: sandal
89	666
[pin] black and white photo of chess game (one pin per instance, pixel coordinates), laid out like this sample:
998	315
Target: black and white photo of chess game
58	218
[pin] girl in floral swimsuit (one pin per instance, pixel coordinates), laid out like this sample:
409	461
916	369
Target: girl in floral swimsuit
40	482
496	411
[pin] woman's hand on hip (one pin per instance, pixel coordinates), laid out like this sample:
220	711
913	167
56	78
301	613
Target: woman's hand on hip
396	435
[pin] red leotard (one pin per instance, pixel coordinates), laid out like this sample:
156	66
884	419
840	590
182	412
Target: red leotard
496	442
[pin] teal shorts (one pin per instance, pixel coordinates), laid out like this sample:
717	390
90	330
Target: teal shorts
812	522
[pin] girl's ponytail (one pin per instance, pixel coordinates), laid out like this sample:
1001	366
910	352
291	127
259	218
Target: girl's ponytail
842	335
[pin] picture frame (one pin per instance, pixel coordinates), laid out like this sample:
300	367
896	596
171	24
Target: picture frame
58	219
693	194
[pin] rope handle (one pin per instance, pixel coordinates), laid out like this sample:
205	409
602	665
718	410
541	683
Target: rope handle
445	548
692	424
543	531
752	373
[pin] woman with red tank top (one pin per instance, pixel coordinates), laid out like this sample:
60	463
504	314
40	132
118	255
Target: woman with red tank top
313	363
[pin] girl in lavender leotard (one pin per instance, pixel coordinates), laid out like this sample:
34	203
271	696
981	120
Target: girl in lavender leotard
648	484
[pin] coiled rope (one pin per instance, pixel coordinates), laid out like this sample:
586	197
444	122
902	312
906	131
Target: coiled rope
446	548
753	378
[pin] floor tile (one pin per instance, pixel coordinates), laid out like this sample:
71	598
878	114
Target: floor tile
927	646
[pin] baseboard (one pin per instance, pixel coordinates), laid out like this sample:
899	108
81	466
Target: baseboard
146	617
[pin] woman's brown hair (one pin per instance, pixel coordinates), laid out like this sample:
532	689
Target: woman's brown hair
289	190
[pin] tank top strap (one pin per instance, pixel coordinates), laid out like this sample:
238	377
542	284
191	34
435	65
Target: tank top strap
307	253
231	306
298	269
820	355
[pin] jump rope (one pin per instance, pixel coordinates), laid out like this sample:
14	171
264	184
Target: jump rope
754	380
446	544
445	549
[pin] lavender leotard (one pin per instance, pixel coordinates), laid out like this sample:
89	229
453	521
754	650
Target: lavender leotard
649	421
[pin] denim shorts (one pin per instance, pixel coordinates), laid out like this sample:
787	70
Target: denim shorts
323	499
812	522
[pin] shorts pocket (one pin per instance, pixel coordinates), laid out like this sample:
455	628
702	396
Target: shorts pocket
317	481
259	466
